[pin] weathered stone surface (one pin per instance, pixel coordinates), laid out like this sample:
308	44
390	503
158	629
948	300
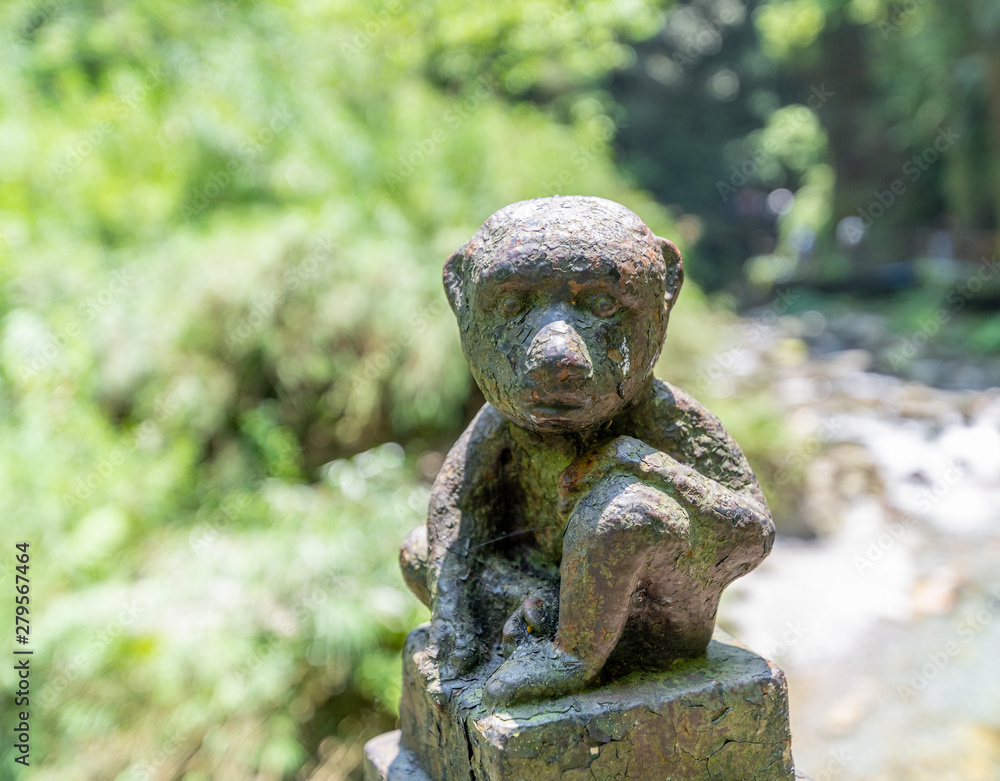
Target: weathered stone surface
581	532
723	716
591	515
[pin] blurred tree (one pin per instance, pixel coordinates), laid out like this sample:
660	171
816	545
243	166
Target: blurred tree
222	226
913	130
687	101
881	119
222	229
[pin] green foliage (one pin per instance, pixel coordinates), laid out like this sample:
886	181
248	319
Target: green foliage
223	227
923	97
256	188
880	117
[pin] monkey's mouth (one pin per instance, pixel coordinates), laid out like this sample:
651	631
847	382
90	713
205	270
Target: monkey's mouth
554	406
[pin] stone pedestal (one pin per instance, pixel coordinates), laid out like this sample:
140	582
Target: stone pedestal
723	716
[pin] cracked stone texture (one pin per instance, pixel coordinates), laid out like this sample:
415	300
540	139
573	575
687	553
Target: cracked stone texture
723	716
580	531
590	516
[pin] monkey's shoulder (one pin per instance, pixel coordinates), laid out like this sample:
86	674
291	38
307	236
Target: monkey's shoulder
474	457
678	414
677	423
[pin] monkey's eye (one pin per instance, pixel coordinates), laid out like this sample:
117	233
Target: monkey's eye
602	305
511	304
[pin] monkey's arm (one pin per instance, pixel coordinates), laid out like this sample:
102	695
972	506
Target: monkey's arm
693	459
737	521
459	519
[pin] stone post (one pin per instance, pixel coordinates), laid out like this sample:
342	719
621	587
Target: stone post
581	532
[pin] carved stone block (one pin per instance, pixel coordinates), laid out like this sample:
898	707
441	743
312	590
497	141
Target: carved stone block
581	531
724	715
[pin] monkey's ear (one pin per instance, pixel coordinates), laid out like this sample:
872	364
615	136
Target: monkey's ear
675	270
454	277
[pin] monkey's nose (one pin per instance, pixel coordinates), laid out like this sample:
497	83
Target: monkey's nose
557	348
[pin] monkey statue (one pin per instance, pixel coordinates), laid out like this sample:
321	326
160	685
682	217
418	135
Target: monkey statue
589	517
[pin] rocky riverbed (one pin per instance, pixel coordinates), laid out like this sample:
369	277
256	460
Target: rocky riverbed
885	615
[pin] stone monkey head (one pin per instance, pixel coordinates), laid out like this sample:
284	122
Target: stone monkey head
562	304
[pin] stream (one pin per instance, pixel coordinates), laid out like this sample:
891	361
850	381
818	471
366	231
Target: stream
885	617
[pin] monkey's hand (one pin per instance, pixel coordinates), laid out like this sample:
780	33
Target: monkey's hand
453	645
707	499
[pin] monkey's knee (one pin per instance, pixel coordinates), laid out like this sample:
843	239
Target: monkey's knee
615	538
626	519
414	555
638	542
612	536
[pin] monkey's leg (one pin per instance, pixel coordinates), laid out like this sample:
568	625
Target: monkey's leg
612	536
